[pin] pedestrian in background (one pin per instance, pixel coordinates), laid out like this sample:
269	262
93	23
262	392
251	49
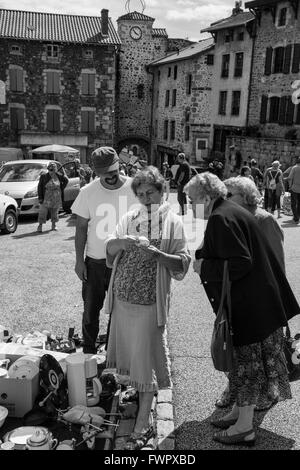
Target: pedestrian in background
256	174
106	198
275	185
167	174
261	298
50	189
246	172
294	185
182	177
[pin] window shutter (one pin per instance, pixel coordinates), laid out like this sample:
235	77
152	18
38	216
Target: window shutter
50	120
13	118
19	80
13	79
174	97
268	62
20	118
263	109
287	59
91	86
298	115
274	108
289	112
56	82
85	84
91	122
296	58
49	82
278	61
84	121
282	110
56	120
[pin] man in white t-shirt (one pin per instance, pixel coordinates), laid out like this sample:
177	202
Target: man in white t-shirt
98	207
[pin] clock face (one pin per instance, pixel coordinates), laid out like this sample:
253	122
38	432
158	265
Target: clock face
136	32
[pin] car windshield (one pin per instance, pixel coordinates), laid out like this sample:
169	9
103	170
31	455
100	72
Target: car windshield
21	172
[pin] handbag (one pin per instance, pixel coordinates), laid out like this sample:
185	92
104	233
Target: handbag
292	354
222	342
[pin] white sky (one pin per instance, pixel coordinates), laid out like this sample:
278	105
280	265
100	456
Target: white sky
181	18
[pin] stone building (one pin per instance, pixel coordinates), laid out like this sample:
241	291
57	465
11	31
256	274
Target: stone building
57	80
233	38
181	108
273	112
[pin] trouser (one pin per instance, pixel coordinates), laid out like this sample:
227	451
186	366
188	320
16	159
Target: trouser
274	200
93	295
43	212
266	199
295	205
181	198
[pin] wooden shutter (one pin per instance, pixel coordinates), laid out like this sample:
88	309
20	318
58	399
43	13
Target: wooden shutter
290	111
174	97
268	62
282	110
85	84
296	58
91	86
287	59
49	82
13	118
274	108
298	115
19	80
278	60
50	120
91	122
13	79
56	120
84	121
263	109
20	118
56	82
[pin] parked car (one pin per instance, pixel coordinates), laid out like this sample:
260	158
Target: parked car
8	214
19	179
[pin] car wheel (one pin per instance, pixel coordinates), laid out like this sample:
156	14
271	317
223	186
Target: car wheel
10	222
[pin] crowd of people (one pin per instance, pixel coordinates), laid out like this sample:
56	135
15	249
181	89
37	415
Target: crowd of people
130	244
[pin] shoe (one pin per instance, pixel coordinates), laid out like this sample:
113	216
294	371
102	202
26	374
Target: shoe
224	401
53	227
223	423
39	229
138	440
240	438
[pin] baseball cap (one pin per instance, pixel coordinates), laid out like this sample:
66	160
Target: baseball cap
105	159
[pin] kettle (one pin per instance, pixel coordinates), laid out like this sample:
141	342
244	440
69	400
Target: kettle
84	387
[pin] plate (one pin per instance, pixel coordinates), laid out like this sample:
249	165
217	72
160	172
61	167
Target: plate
23	368
20	435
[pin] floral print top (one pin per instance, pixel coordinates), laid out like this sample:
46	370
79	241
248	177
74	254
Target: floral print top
135	278
53	194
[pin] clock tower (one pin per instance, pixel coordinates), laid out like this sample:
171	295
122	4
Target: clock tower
141	45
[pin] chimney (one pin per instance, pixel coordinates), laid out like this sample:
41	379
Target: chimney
237	9
104	22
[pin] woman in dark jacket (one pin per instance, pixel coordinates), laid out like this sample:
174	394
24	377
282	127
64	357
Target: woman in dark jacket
262	302
50	193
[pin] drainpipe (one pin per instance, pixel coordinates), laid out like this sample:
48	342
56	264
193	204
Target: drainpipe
152	112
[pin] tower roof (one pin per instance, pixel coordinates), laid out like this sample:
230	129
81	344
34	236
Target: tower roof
135	16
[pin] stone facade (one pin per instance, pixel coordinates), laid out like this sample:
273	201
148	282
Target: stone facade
135	83
274	79
189	119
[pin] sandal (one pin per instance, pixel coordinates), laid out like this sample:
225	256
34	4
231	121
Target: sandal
138	440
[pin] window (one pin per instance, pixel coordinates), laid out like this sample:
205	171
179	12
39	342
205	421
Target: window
274	109
52	50
140	91
225	65
17	119
238	67
174	94
189	84
187	133
263	109
296	59
187	116
240	36
88	54
175	72
14	49
210	59
235	104
282	17
88	84
229	36
268	62
16	80
53	82
169	72
166	125
278	59
172	132
87	121
167	99
53	120
222	102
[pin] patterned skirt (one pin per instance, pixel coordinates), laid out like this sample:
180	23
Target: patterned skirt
260	372
286	204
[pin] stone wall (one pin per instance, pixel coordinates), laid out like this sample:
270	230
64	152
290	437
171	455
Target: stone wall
176	43
265	150
34	97
269	34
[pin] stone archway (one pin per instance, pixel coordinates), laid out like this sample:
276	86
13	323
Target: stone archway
135	141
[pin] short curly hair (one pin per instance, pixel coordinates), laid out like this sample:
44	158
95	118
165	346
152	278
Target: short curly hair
246	188
206	184
148	175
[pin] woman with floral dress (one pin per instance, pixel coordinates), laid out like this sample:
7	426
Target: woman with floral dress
148	248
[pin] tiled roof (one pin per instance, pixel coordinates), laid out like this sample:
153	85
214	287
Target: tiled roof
187	52
55	27
135	15
159	32
231	22
260	3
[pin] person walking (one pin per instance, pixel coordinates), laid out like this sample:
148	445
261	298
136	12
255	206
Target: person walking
256	174
98	208
50	189
183	175
294	185
262	302
246	172
275	186
147	250
167	174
